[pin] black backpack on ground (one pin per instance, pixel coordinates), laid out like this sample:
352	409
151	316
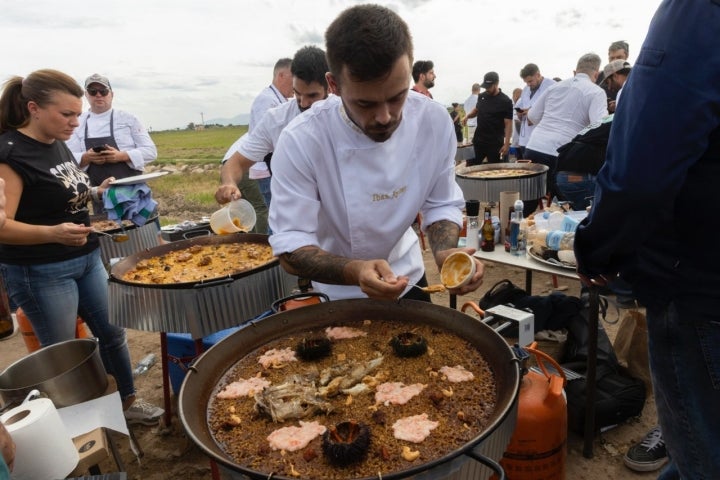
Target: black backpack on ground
618	396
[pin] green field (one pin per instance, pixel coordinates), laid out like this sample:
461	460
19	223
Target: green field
194	190
195	146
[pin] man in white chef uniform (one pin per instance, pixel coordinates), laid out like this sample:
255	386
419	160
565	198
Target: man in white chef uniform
309	86
351	173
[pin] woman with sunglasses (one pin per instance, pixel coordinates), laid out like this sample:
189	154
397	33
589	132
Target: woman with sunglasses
109	142
49	257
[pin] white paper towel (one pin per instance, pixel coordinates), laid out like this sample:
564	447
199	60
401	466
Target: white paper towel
44	449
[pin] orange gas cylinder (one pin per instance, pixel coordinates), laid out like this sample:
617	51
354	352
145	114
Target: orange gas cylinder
28	334
538	447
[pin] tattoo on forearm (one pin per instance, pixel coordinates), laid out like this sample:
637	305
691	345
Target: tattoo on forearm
317	265
443	235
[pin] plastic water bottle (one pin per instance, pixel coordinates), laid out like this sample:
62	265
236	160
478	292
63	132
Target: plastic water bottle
517	238
144	364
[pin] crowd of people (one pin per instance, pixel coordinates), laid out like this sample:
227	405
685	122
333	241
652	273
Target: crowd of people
341	213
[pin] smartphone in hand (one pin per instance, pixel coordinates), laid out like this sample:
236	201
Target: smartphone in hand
99	148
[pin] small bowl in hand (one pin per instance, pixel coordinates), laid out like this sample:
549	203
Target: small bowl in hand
457	270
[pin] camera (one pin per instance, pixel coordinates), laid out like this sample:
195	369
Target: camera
99	149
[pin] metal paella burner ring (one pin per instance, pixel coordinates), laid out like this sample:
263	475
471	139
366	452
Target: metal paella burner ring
531	186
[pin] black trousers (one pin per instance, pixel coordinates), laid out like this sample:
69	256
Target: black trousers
485	150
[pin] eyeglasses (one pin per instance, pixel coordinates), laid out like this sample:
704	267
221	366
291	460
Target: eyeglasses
94	91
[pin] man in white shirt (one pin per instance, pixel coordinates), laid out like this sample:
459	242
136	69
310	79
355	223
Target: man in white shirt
562	111
255	184
109	142
309	67
535	84
351	173
468	105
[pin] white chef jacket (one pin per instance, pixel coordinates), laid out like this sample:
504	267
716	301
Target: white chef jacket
129	133
261	140
563	110
335	188
270	97
525	102
468	105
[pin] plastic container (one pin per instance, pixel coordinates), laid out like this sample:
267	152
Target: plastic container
144	364
457	270
236	216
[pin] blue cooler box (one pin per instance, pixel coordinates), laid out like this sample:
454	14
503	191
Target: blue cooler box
182	346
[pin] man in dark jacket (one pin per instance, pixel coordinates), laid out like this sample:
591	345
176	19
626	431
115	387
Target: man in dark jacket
655	218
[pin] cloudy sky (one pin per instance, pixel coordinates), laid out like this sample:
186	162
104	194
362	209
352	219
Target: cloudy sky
173	62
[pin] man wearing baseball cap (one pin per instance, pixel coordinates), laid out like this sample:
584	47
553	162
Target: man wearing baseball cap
494	112
615	74
109	142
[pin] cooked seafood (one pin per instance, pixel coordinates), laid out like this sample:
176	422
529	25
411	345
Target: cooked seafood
294	438
414	429
345	376
295	398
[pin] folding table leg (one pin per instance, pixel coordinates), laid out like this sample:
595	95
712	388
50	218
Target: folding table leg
591	374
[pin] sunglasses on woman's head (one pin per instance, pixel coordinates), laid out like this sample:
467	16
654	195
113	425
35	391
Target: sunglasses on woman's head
94	91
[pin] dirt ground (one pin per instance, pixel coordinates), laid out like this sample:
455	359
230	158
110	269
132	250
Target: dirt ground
169	454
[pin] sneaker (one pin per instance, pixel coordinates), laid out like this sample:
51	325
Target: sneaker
143	412
648	455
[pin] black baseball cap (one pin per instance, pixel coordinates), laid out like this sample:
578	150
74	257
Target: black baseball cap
490	79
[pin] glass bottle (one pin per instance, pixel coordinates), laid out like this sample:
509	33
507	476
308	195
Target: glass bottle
506	233
488	232
472	209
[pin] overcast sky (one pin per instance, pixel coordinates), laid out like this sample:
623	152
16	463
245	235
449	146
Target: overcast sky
172	62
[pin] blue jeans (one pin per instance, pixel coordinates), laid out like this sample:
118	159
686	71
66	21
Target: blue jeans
577	188
685	365
52	295
551	162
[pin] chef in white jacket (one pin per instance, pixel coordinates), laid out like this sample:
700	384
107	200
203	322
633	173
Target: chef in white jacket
351	173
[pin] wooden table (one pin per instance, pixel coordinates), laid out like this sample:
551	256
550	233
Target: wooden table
499	255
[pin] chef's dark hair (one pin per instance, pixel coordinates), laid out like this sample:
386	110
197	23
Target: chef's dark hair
310	65
367	40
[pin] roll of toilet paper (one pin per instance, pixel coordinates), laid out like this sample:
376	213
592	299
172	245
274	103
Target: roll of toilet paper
44	448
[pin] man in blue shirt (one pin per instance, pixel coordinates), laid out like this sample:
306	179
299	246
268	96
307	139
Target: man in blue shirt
654	220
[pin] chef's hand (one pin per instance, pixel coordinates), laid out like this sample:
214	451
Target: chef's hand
227	193
377	280
96	158
72	234
113	155
474	282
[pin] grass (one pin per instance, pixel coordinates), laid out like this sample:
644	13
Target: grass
195	146
190	194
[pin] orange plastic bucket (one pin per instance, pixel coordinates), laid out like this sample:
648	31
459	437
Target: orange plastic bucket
28	334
